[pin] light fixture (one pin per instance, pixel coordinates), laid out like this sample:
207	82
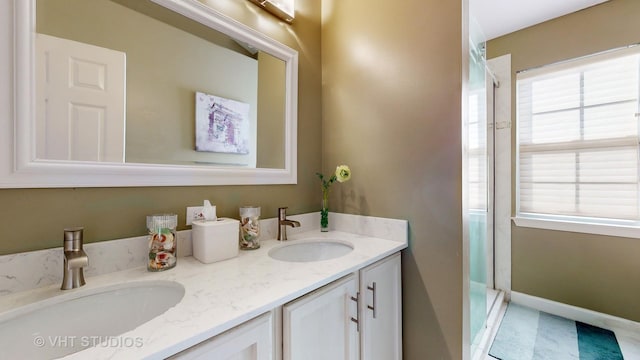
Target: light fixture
284	9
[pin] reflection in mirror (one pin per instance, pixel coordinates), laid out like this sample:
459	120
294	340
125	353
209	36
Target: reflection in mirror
125	90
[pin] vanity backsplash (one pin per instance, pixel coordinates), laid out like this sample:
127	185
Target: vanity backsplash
29	270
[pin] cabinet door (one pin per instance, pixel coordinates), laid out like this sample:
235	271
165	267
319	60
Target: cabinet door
380	289
252	340
319	326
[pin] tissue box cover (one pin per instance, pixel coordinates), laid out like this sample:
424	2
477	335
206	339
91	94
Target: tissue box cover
215	240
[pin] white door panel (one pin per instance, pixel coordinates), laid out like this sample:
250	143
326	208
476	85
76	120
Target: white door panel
80	101
318	326
380	288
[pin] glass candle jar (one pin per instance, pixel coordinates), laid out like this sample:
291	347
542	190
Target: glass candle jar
162	241
249	227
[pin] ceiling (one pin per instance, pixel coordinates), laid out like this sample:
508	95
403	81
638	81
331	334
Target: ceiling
500	17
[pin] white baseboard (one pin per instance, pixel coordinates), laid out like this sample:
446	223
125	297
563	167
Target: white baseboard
606	321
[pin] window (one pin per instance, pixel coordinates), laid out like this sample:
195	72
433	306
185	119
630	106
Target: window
578	139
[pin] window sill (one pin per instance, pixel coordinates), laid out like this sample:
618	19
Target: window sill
578	226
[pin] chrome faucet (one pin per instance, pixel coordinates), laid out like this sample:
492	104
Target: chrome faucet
283	222
75	259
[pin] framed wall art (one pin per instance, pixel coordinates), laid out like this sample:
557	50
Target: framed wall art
222	125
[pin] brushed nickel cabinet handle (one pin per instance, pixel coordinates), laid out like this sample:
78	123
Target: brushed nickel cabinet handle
373	307
355	320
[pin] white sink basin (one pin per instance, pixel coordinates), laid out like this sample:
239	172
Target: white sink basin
311	250
75	321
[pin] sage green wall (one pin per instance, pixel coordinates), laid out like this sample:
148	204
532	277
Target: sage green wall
596	272
34	218
392	85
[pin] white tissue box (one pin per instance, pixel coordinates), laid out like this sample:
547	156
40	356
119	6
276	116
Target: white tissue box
215	240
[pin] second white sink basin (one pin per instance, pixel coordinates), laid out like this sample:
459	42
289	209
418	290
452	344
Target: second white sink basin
311	250
80	319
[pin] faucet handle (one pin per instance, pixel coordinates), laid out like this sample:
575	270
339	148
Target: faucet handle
282	213
73	238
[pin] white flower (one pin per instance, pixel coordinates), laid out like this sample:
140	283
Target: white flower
343	173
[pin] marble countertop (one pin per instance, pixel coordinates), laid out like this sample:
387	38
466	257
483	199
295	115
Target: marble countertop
221	295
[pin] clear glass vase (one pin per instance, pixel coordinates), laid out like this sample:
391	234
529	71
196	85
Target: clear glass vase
324	212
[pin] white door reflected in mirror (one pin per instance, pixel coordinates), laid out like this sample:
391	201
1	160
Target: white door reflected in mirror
80	108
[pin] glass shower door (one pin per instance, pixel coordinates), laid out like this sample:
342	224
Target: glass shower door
478	193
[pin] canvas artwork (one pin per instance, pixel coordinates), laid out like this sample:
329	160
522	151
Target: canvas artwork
222	125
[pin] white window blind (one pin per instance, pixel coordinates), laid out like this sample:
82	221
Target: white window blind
578	137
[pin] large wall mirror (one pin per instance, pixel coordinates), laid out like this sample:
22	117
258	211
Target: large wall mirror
146	93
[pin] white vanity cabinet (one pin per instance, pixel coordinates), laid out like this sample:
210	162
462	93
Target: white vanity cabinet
252	340
356	317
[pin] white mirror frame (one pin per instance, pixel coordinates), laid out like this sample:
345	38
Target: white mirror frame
19	167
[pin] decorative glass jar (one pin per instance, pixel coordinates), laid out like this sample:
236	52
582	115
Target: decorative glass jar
162	242
249	227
